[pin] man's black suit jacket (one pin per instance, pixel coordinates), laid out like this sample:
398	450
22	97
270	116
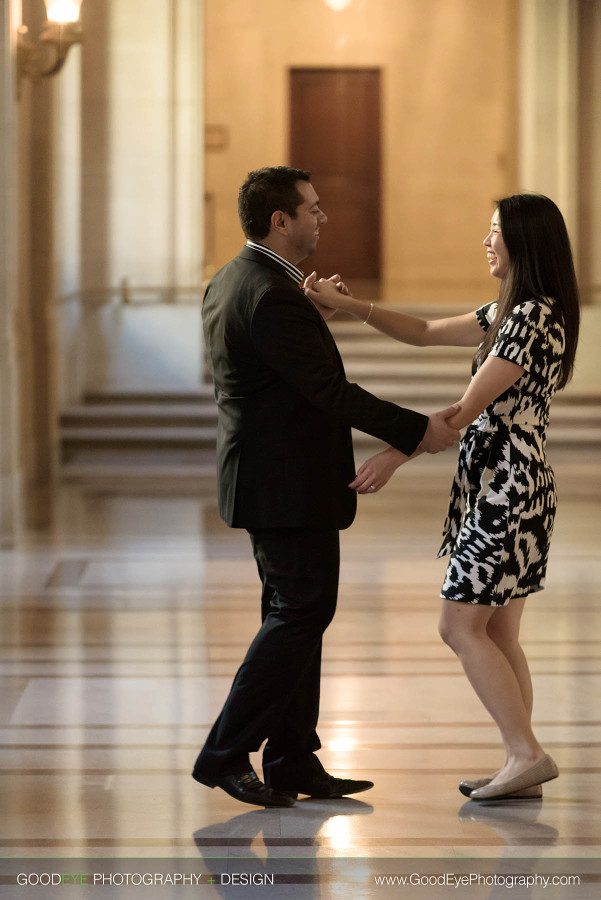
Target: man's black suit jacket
284	449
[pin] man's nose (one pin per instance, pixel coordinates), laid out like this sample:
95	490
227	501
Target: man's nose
324	218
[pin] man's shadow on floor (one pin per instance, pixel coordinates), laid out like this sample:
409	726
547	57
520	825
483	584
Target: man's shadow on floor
291	843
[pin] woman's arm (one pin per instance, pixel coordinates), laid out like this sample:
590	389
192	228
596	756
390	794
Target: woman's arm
458	331
491	380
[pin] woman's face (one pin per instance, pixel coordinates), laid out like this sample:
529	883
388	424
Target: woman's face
496	251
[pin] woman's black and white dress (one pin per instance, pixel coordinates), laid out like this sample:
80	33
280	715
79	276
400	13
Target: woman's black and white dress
503	499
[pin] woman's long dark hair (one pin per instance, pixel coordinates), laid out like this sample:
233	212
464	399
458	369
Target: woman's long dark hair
540	268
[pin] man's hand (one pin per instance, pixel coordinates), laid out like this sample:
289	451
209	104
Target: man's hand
325	311
439	434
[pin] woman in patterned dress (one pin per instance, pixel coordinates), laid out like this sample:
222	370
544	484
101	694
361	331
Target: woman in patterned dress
503	497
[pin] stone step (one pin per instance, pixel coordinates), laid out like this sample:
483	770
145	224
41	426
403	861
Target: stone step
121	415
124	471
395	370
173	423
146	457
174	475
166	405
115	433
155	397
389	349
86	444
152	461
170	435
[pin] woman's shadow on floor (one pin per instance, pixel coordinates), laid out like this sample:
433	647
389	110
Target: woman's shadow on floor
517	823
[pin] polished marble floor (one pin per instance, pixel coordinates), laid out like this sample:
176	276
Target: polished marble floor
123	624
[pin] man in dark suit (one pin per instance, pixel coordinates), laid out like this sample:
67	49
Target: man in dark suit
285	460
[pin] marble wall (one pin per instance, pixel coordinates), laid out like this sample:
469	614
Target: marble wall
449	75
103	173
129	197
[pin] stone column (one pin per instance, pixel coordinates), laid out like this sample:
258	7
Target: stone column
9	460
36	345
590	158
548	104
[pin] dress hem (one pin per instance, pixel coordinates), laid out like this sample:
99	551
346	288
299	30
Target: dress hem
525	593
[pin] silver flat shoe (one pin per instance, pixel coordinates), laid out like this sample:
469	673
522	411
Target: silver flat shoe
466	787
531	793
544	770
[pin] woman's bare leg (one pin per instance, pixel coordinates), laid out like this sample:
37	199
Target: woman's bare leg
464	627
504	629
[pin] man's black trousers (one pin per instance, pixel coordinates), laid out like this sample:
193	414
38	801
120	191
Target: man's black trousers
275	694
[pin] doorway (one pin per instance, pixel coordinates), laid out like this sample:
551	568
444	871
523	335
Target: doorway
335	133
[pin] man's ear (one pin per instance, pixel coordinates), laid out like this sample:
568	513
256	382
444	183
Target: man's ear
279	221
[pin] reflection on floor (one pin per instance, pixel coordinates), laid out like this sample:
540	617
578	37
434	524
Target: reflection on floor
123	625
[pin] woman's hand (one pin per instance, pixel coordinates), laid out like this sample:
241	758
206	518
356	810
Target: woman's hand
325	312
327	293
377	471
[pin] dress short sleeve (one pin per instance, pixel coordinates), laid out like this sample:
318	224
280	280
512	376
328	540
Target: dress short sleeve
486	315
522	334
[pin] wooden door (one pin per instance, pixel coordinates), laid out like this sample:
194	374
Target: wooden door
335	133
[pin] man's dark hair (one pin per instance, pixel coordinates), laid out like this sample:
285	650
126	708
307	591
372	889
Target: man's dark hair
265	191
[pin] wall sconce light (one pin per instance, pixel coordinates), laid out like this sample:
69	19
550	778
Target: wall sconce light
338	4
61	31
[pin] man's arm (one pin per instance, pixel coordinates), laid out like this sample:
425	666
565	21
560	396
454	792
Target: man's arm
287	335
491	380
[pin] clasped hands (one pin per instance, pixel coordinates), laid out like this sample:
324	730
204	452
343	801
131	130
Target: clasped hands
439	435
311	286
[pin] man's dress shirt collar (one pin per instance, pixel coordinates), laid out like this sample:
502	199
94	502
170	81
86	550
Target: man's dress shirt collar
294	274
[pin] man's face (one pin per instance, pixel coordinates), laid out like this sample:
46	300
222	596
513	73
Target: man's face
303	231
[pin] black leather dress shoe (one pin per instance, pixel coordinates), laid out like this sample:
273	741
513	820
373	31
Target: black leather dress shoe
249	789
322	787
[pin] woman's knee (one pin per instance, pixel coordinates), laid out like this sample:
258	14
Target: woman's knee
506	640
451	633
460	627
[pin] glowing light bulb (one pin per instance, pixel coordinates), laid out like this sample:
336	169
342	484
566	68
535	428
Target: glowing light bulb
338	4
63	10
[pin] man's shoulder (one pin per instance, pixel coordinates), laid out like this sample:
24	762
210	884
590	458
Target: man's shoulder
248	271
